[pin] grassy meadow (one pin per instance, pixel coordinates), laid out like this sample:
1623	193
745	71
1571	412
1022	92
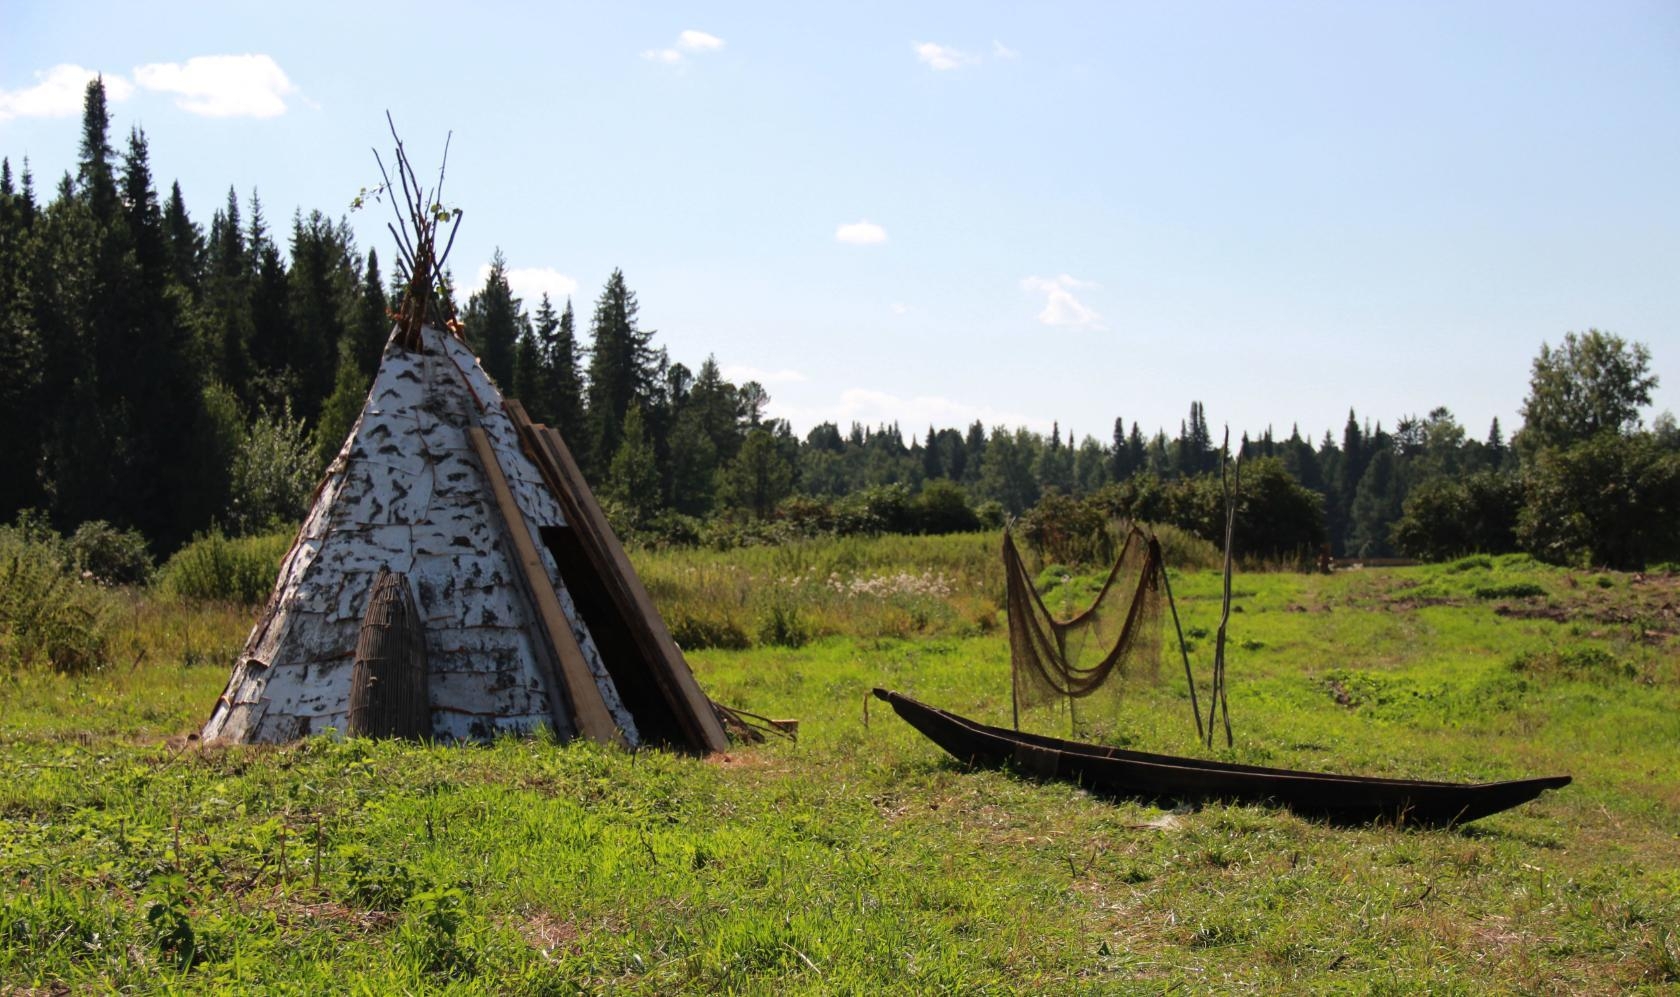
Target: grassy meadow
859	858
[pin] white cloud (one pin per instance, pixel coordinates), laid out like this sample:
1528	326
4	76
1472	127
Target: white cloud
872	407
900	308
941	57
221	86
1002	51
741	374
1060	306
688	41
698	41
860	233
58	93
531	283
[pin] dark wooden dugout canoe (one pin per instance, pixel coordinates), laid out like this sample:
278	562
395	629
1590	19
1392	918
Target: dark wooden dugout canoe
1116	771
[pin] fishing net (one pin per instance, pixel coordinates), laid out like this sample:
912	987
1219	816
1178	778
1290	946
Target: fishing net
1087	659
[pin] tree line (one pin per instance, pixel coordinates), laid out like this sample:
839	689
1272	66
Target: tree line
169	377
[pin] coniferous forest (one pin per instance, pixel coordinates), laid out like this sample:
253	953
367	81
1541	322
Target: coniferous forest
172	377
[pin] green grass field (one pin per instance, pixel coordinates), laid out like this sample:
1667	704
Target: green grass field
860	859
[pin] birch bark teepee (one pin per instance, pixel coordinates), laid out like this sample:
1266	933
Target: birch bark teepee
433	484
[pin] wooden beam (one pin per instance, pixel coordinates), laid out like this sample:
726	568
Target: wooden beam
670	670
572	681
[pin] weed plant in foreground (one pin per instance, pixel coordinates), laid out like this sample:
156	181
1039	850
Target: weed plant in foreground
861	859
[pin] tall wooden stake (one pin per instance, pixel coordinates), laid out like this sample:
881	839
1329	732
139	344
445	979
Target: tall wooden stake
1216	699
1183	649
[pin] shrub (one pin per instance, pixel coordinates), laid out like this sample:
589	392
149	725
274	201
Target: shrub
941	507
782	626
694	632
1592	664
1443	517
46	612
111	556
1509	590
1610	501
214	568
273	473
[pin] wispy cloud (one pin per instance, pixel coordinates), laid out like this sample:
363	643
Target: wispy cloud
221	86
531	283
1002	51
860	233
1060	306
943	57
58	93
698	41
741	374
900	308
689	42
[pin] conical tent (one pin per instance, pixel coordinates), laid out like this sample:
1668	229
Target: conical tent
530	612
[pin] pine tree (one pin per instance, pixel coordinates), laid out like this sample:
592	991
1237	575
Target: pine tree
974	452
566	378
694	464
528	375
20	354
622	365
273	383
229	283
493	321
96	180
760	476
1495	446
933	466
185	244
373	320
633	476
150	379
343	407
713	400
1120	457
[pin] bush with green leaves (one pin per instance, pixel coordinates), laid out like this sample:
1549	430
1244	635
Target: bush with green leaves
273	474
217	568
110	555
1609	501
48	615
1446	517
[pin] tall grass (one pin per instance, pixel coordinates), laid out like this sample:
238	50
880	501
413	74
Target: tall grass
882	586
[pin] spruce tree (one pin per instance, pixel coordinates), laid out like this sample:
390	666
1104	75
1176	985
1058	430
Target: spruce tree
933	464
633	476
322	293
373	319
528	375
493	321
96	180
185	243
622	366
151	380
226	336
565	387
20	355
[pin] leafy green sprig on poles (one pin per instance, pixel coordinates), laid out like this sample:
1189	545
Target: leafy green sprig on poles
427	296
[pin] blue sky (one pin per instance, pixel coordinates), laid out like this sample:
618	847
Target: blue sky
949	211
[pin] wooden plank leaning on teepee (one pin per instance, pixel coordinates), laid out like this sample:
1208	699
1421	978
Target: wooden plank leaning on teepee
664	660
590	715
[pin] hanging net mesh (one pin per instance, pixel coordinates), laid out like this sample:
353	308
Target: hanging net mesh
1087	659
